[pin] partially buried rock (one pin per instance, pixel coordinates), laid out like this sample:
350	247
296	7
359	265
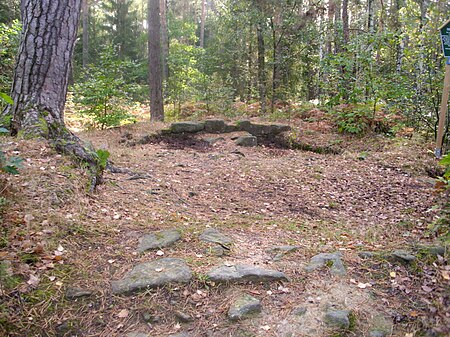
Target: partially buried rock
158	240
214	236
244	273
377	333
299	311
137	334
215	125
244	307
279	251
403	255
215	251
153	274
333	260
186	127
247	141
73	293
182	317
338	318
181	334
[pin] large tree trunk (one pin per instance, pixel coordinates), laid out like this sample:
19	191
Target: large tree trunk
164	39
41	77
154	60
261	68
85	12
202	24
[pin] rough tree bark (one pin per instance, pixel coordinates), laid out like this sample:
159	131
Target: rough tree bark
41	77
85	14
154	61
261	68
164	38
202	24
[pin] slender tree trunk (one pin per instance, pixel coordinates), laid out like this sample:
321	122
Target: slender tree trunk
345	22
202	24
41	77
337	27
154	59
261	68
164	39
85	12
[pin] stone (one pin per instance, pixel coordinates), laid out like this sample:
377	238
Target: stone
279	251
187	127
181	334
214	236
366	255
262	130
403	255
137	334
158	240
215	251
338	318
377	333
73	293
215	126
247	141
245	273
321	260
299	311
244	307
214	140
182	317
152	275
433	250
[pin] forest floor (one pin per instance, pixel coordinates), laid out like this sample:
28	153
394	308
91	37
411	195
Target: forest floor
375	196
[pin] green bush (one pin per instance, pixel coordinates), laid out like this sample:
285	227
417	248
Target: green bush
104	95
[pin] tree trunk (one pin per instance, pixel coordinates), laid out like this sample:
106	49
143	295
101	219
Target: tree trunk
154	61
202	24
164	39
345	22
41	77
261	68
85	12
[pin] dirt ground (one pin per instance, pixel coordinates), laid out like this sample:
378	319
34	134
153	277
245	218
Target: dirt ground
375	195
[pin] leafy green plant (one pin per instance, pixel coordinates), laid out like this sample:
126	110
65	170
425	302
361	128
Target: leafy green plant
10	165
103	96
351	118
103	156
445	161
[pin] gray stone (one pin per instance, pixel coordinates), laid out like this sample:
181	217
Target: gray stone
214	236
403	255
366	255
262	130
299	311
186	127
182	317
158	240
181	334
153	274
247	141
279	252
215	126
433	250
244	273
214	140
137	334
215	251
321	260
338	318
244	307
73	293
377	333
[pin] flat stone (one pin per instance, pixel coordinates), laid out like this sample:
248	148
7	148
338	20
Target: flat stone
152	275
403	255
279	252
181	334
244	307
377	333
186	127
73	293
433	250
321	260
214	236
158	240
366	255
299	311
245	273
137	334
215	251
182	317
215	126
214	140
338	318
262	130
247	141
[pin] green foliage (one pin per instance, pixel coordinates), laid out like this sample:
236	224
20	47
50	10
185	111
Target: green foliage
445	161
10	165
104	96
9	43
103	156
354	119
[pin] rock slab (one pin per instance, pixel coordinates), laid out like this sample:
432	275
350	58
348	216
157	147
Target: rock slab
247	141
74	293
243	307
214	236
245	273
403	255
318	261
338	318
153	274
186	127
158	240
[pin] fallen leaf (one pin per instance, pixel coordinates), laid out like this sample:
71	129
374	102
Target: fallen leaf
59	283
158	270
265	327
427	289
393	274
33	281
60	248
123	313
111	261
445	274
160	253
52	278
